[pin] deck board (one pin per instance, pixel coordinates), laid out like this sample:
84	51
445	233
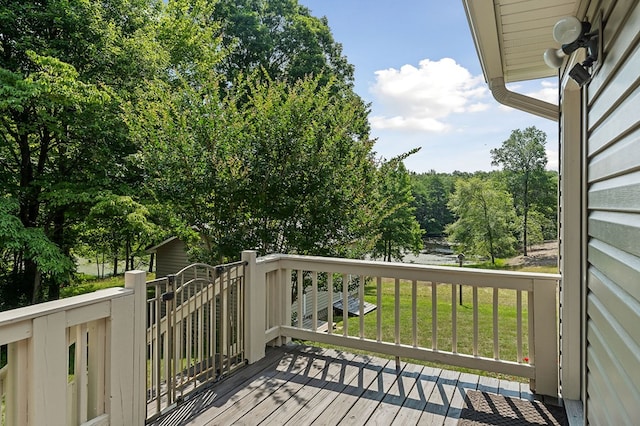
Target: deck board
371	398
418	398
316	396
392	402
305	395
465	382
438	404
300	385
295	380
509	389
340	403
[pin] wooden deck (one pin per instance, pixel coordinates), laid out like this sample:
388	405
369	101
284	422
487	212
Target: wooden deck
302	385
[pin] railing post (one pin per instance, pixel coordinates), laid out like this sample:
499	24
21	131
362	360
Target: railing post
121	367
136	281
254	309
285	297
545	337
48	365
16	409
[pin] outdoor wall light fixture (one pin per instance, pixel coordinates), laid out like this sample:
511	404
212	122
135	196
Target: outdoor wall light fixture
573	35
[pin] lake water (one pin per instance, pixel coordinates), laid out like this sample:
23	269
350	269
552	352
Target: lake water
436	252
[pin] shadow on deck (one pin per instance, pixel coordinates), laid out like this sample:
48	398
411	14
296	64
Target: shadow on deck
305	385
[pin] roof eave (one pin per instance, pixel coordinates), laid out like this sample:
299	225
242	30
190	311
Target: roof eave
484	30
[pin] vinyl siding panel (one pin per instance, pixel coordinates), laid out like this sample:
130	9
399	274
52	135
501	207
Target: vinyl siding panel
621	267
621	230
617	194
621	158
614	355
613	220
170	258
615	127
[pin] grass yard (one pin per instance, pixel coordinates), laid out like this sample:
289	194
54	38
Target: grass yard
507	313
87	284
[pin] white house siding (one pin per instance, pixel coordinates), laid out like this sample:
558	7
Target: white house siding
613	220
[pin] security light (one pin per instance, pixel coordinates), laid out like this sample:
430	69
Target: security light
573	34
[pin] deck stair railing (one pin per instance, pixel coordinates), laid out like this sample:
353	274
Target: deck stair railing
507	323
195	331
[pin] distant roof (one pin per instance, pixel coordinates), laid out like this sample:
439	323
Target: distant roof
157	246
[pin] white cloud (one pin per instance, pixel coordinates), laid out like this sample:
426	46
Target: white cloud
422	98
547	92
414	123
552	159
478	107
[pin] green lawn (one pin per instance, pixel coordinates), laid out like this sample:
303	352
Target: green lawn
86	284
506	319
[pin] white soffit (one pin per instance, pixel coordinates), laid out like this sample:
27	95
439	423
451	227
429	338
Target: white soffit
512	35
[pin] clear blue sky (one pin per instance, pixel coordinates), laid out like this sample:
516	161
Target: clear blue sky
416	64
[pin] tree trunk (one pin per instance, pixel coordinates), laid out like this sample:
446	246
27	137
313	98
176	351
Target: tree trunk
58	238
151	259
115	265
31	280
525	213
525	221
35	298
127	251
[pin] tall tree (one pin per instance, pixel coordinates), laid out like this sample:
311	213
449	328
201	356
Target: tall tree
485	219
118	224
65	68
282	38
399	231
523	158
274	166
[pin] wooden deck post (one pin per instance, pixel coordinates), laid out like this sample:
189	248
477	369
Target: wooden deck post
285	297
254	309
126	363
136	281
16	409
545	337
48	359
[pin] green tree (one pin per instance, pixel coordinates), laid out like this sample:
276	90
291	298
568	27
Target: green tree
523	159
117	224
282	38
19	243
545	202
66	67
485	219
399	231
535	225
273	166
51	144
432	192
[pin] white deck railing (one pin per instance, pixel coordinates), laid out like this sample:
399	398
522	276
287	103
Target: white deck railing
105	333
101	383
519	309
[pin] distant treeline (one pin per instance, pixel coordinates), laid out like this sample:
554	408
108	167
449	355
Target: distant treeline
432	191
